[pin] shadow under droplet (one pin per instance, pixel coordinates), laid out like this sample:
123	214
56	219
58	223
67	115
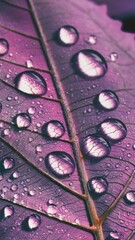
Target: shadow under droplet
123	11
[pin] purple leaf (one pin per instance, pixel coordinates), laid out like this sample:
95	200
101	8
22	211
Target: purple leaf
67	122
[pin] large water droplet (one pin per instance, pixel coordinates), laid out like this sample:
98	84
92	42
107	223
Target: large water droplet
31	83
31	223
7	164
113	236
95	147
60	164
112	129
22	120
130	197
67	35
7	211
106	100
4	47
89	63
97	185
53	129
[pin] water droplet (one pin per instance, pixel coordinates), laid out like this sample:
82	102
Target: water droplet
89	63
4	47
29	63
14	187
31	83
95	147
7	163
22	120
113	56
39	148
67	35
97	185
32	193
7	211
60	164
130	197
7	132
92	39
31	223
106	100
112	129
52	210
31	110
53	129
15	175
133	146
113	236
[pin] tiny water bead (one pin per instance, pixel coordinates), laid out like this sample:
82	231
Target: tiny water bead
31	82
113	56
92	39
113	236
61	164
4	47
53	129
106	100
22	120
7	212
67	35
95	147
97	185
32	222
130	197
7	164
89	64
112	129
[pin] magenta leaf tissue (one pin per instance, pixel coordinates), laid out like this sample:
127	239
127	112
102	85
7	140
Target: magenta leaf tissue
67	131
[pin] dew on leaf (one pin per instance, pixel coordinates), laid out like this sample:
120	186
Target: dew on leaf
39	148
106	100
31	223
113	56
31	83
92	39
89	63
29	63
4	47
60	163
22	120
52	209
67	35
31	193
113	236
6	132
15	175
112	129
130	197
53	129
31	110
95	147
97	185
7	164
14	187
7	212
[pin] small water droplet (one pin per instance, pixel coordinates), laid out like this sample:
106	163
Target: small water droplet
39	148
67	35
52	210
31	223
112	129
130	197
16	196
133	146
113	56
22	120
113	236
97	185
106	100
7	164
4	47
60	163
9	98
31	83
29	63
32	192
7	211
89	63
31	110
6	132
15	175
53	129
14	187
92	39
95	147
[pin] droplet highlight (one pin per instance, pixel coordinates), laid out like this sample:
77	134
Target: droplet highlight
89	64
97	185
92	39
53	129
31	83
22	120
61	164
106	100
130	197
95	147
7	164
7	212
31	223
67	35
112	129
113	236
113	56
4	47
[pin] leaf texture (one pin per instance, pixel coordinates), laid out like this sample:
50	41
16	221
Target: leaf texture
56	192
